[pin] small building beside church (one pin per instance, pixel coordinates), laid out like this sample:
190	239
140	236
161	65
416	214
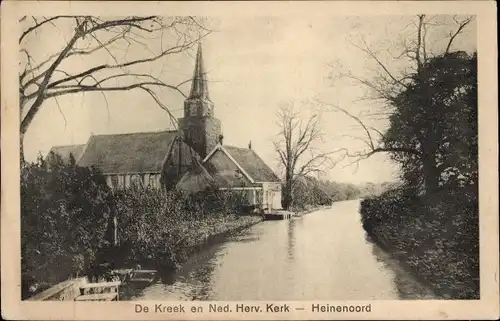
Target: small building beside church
191	158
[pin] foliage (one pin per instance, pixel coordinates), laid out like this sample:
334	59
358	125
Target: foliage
437	237
67	213
432	220
160	228
309	191
64	212
436	117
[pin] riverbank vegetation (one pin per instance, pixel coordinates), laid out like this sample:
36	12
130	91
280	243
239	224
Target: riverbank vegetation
436	237
309	192
431	221
69	217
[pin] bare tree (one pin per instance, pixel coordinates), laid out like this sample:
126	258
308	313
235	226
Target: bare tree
49	78
400	74
296	149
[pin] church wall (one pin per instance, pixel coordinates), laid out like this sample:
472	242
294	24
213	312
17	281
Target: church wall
212	133
180	160
117	181
201	132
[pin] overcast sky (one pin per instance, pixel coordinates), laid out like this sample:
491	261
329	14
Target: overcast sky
254	65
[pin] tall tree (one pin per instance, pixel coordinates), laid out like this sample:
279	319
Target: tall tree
430	102
49	77
297	150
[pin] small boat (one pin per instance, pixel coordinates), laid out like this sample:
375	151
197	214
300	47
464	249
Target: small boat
142	278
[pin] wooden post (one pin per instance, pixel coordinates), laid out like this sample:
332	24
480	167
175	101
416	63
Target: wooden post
115	230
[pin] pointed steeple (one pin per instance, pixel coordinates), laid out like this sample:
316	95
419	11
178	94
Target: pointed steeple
200	128
199	87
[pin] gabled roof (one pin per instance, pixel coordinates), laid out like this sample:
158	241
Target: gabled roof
128	153
195	180
249	162
65	151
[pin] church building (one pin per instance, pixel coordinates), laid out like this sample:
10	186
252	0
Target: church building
191	158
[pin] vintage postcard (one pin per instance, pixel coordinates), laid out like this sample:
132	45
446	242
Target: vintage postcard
249	160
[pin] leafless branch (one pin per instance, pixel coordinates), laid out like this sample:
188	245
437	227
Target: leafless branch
375	146
48	79
461	25
38	25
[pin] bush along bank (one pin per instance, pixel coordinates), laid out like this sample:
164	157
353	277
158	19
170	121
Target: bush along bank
436	237
69	215
161	229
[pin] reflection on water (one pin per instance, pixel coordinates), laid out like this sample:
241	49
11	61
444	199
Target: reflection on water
320	256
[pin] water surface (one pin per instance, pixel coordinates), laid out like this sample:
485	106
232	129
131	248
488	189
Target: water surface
323	255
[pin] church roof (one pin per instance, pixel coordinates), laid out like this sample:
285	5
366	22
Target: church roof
249	162
252	164
128	153
199	86
195	180
65	151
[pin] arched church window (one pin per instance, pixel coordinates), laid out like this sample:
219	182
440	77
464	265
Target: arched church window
135	181
114	181
152	181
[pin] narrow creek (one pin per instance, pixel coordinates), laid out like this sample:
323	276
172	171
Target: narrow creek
323	255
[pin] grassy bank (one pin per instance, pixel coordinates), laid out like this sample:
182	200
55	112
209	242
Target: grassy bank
436	237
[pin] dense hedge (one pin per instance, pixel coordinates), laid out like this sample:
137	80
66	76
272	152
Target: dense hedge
436	236
64	215
68	214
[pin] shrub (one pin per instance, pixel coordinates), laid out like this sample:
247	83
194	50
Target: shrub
64	211
160	227
438	233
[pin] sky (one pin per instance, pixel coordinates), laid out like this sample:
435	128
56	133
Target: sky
255	65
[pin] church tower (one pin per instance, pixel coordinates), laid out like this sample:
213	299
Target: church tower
200	129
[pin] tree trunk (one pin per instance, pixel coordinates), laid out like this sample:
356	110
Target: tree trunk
429	166
21	149
287	191
431	175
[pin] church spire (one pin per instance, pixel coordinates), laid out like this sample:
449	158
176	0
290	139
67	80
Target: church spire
199	87
200	128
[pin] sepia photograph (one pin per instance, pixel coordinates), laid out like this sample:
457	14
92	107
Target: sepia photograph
274	158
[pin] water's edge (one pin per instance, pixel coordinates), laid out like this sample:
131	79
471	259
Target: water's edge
401	259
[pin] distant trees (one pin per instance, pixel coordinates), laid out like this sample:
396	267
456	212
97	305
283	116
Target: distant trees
297	150
310	191
45	75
